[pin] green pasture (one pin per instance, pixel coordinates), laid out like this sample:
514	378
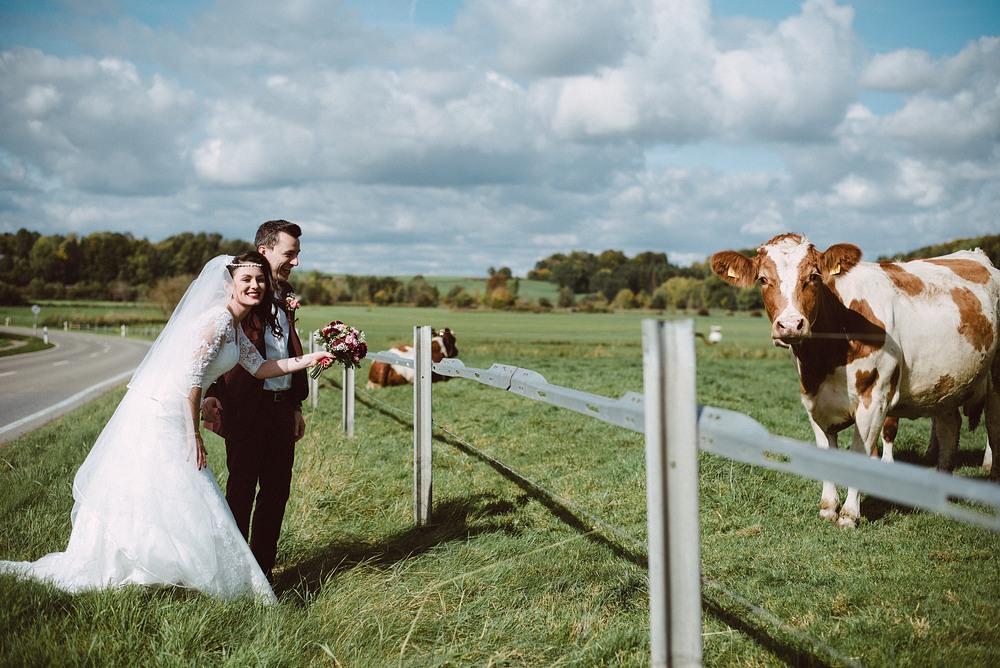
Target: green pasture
520	567
93	313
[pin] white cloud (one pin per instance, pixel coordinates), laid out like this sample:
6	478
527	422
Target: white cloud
902	70
856	192
94	124
953	109
552	38
247	147
913	70
676	84
796	80
920	184
766	223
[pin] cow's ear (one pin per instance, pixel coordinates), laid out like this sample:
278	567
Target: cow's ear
840	259
733	268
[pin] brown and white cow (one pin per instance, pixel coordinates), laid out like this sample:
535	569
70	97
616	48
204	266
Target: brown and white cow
905	339
385	375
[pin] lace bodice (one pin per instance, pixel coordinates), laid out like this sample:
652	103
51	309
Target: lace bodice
218	346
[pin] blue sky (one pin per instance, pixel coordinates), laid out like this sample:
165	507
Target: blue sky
448	136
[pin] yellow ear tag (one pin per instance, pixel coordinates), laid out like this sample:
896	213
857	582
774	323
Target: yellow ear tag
835	270
732	274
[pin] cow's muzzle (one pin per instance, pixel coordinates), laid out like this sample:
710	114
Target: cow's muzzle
789	331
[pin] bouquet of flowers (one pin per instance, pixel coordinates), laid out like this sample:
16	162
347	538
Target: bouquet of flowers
346	343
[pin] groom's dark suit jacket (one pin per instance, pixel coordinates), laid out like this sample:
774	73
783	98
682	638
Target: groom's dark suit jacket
237	384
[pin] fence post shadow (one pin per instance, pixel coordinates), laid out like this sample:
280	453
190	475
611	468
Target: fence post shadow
452	521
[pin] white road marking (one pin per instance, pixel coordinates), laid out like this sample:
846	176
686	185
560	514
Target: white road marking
60	363
7	373
66	402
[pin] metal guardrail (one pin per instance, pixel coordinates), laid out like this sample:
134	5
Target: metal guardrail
739	437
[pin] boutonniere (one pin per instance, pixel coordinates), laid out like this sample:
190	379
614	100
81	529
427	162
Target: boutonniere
292	303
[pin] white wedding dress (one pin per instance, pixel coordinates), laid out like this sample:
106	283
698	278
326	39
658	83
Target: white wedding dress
143	513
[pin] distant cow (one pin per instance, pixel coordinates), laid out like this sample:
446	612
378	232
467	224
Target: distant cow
905	339
386	375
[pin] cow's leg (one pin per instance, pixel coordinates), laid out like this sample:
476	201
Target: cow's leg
868	425
992	431
946	429
830	501
889	430
851	510
933	447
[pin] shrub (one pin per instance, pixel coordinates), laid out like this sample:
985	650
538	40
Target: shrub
501	298
565	299
9	295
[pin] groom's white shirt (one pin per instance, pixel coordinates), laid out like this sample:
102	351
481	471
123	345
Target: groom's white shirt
277	349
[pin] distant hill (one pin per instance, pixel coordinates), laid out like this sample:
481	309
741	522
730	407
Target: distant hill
989	244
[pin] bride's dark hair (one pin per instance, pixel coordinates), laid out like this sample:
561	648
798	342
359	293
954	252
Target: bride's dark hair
265	312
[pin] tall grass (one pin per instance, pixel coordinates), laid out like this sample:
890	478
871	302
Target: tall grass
522	569
92	313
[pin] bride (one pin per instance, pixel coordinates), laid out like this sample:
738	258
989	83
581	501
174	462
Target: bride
147	508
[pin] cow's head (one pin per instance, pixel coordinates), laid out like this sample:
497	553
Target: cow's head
794	279
448	342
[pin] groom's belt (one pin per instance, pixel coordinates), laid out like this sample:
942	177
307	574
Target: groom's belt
281	395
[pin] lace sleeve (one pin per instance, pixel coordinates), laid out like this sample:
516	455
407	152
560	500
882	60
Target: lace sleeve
208	337
250	358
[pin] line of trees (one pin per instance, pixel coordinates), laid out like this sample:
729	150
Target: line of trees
612	280
119	267
114	266
101	265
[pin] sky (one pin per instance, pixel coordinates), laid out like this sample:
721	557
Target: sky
448	137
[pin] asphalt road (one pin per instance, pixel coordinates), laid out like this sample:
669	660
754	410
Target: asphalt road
38	387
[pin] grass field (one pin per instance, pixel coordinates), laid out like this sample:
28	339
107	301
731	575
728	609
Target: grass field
507	576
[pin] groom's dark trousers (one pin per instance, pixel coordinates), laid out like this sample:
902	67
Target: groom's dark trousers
260	451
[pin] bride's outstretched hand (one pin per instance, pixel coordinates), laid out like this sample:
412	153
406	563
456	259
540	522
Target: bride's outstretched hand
323	358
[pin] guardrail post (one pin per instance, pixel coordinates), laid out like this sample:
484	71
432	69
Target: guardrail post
422	425
671	417
347	412
313	382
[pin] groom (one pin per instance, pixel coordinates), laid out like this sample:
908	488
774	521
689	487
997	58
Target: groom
262	419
